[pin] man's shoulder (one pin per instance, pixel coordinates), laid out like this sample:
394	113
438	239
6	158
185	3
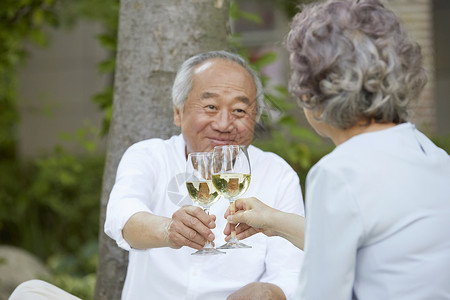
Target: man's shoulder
156	143
156	148
259	156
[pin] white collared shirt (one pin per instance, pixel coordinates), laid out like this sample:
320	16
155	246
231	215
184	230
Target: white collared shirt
378	220
150	177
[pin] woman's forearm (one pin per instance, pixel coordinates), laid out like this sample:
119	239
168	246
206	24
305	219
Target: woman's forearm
289	226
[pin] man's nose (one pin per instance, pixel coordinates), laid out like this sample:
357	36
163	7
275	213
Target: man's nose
224	121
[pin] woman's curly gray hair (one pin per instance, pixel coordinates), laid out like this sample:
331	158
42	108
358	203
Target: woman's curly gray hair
351	60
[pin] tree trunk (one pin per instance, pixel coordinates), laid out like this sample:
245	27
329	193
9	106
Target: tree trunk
155	37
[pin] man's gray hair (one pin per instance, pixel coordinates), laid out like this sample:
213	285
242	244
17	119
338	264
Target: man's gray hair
183	81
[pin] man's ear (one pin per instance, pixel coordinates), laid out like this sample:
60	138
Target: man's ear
177	116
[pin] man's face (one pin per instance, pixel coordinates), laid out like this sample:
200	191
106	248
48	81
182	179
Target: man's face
220	109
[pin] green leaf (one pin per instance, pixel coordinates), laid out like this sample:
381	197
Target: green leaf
107	66
236	13
38	16
108	41
278	103
252	17
288	121
38	37
265	59
105	98
234	10
304	134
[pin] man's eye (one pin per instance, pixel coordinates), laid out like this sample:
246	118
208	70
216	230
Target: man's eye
210	107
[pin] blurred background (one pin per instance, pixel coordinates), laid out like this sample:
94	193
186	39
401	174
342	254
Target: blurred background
57	64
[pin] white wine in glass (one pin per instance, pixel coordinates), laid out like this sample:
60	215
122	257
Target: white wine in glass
231	178
201	190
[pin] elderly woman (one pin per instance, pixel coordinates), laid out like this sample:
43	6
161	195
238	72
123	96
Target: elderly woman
377	206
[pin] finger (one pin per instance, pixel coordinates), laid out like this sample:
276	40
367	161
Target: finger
180	240
227	213
228	228
184	235
241	227
239	203
197	229
214	221
186	223
245	233
227	231
194	217
227	238
199	214
238	217
243	203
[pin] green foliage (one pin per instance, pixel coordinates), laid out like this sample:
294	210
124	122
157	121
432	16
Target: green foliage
104	101
442	142
50	207
19	21
236	13
291	7
298	145
106	13
76	272
86	136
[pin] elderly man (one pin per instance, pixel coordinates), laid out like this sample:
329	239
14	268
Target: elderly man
217	98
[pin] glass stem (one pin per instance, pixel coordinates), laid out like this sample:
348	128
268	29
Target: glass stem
233	227
208	244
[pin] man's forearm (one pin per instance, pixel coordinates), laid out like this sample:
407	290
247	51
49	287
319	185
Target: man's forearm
144	230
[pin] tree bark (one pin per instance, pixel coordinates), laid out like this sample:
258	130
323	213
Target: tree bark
155	37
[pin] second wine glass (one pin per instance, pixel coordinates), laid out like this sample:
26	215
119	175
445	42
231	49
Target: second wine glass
231	177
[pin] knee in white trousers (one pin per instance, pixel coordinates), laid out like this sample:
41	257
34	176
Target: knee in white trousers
40	290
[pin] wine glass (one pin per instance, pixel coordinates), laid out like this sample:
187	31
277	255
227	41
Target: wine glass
201	189
231	177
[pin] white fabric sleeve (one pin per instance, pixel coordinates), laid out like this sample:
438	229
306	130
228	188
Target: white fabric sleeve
334	229
283	259
130	194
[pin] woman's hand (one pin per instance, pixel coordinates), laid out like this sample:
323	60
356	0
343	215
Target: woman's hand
252	215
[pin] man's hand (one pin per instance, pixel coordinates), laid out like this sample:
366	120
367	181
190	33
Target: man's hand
190	226
258	291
